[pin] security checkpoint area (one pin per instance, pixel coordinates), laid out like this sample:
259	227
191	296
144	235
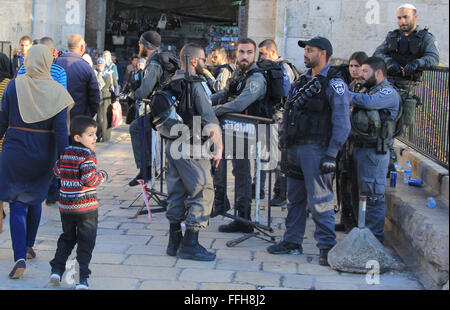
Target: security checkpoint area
172	216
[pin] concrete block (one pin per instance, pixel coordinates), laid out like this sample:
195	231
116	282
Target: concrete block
280	267
150	260
357	249
139	272
237	265
226	286
103	283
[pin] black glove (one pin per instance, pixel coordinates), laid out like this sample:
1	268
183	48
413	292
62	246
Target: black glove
411	68
393	68
327	164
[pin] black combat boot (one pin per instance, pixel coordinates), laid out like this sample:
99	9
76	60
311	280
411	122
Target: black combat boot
175	237
323	257
237	226
191	249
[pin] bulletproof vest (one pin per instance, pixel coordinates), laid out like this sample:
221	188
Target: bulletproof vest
237	85
311	121
404	49
369	125
136	79
216	70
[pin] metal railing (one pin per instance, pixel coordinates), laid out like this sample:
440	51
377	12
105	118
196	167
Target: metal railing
429	134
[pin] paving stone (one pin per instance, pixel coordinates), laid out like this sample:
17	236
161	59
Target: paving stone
335	286
128	271
173	285
104	283
148	249
188	263
279	267
226	286
297	281
107	258
151	260
234	254
316	269
207	275
258	278
237	265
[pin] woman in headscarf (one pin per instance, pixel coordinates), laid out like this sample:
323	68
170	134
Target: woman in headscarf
5	77
33	119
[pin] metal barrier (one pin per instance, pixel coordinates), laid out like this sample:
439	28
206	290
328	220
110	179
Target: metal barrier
429	135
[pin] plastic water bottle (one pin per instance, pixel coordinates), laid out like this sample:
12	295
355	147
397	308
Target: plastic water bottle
431	203
407	172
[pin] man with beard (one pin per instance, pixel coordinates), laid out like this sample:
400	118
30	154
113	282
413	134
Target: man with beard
221	72
189	182
245	93
148	45
316	125
373	118
407	51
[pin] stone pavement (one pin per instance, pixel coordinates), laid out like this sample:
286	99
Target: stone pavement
130	253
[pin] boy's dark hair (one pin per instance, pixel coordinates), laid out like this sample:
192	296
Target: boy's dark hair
246	41
376	63
25	38
360	57
80	123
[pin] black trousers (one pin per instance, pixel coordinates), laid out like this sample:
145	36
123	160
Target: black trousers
78	229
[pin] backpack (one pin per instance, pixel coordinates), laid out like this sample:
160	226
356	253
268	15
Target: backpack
171	105
275	77
294	69
406	112
170	63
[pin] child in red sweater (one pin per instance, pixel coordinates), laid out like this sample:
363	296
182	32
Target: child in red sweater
77	171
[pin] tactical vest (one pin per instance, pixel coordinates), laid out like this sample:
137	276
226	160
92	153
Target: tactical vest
257	108
216	70
404	49
370	125
311	122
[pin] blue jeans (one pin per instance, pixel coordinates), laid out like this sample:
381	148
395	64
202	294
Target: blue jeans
315	191
24	223
371	170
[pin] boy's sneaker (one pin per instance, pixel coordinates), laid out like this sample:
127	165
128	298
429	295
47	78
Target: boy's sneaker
285	247
83	285
55	279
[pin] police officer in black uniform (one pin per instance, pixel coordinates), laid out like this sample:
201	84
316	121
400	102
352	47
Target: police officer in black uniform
245	93
316	125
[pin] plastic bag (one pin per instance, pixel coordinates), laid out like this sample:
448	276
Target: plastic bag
117	116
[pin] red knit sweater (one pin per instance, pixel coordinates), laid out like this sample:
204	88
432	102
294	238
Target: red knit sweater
77	170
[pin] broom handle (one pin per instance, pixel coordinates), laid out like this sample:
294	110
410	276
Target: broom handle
362	212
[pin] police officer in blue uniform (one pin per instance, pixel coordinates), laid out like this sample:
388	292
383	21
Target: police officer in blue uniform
316	126
373	119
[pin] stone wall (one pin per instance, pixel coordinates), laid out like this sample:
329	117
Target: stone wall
350	25
15	20
39	18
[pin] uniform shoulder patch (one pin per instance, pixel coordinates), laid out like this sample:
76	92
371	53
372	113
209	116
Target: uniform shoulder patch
386	91
254	87
338	86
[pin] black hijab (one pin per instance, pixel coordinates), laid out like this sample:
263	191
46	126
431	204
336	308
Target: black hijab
5	67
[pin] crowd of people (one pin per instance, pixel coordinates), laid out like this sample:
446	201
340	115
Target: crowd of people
55	109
